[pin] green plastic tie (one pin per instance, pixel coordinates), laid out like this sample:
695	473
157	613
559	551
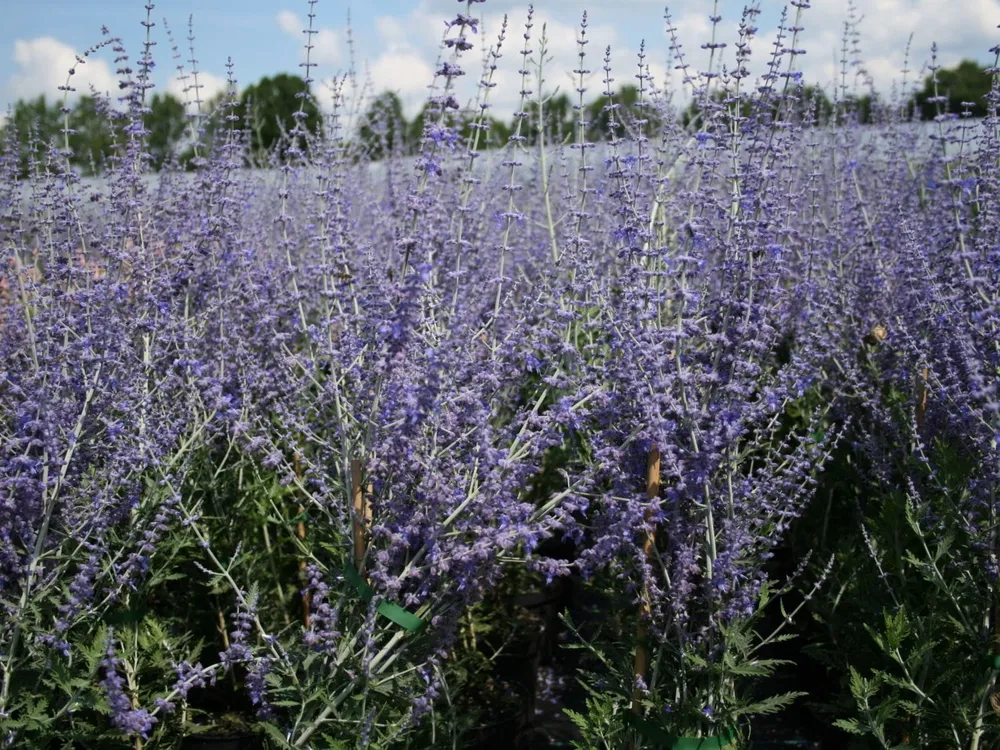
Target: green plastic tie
659	735
406	620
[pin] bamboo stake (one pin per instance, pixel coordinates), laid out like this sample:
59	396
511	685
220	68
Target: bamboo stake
645	607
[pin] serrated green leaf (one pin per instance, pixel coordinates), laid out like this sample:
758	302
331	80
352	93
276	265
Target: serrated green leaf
772	705
850	725
275	734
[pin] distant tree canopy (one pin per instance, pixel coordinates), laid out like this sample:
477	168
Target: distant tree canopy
96	130
415	129
269	107
555	118
494	135
268	111
166	123
383	128
209	124
966	82
811	102
34	121
560	119
627	109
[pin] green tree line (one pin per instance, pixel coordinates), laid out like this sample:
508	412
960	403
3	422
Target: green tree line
94	131
269	112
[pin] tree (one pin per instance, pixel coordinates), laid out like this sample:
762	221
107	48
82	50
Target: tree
495	135
383	128
860	108
599	113
166	123
415	130
34	122
812	102
206	126
966	82
96	130
627	111
797	104
556	119
271	104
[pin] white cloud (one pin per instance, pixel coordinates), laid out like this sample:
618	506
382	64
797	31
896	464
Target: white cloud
289	22
406	73
410	46
409	42
326	47
393	32
404	65
326	41
965	30
209	85
562	57
43	64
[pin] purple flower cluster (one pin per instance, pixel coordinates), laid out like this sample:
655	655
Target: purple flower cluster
129	719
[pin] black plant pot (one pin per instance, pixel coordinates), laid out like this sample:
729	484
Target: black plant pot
228	741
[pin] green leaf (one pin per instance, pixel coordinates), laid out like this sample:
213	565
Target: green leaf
861	688
772	705
275	734
757	668
897	628
849	725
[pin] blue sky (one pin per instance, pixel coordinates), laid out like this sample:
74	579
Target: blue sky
395	40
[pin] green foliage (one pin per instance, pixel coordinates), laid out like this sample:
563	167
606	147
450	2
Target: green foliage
166	123
735	678
554	117
95	137
602	727
966	82
270	106
205	130
494	136
415	129
58	694
383	126
95	131
36	124
806	103
904	610
627	109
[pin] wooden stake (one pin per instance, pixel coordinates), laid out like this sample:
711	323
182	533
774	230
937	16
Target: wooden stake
221	618
301	531
361	515
922	396
645	607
